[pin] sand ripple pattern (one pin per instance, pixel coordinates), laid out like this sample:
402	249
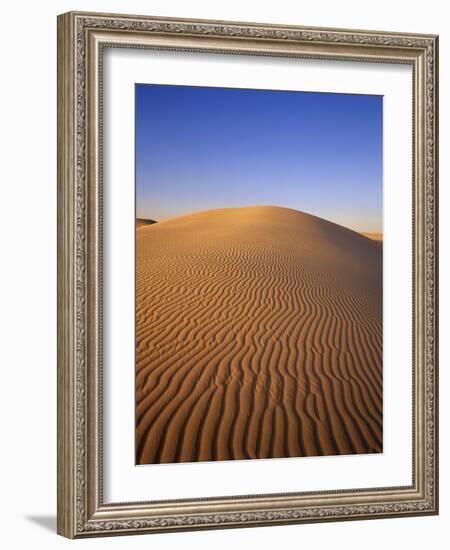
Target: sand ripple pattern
258	335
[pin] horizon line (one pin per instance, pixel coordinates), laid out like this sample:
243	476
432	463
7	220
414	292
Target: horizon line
192	213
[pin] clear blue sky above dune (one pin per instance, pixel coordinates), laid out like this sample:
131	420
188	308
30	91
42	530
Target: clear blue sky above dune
204	148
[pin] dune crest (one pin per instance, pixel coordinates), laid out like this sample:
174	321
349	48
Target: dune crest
258	335
374	236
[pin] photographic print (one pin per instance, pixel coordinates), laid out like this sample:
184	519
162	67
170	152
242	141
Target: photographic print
259	274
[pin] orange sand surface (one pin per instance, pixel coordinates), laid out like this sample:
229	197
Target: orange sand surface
374	236
258	335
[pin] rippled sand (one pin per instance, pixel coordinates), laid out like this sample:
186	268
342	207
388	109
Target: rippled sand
258	335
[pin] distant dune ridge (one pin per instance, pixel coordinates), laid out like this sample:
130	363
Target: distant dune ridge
374	236
258	335
142	222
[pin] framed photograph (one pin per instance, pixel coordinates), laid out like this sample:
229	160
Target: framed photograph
247	274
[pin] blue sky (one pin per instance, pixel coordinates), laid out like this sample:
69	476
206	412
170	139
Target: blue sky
203	148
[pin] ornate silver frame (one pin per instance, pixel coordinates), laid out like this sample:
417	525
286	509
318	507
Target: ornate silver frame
81	38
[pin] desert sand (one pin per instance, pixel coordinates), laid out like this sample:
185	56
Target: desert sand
141	222
258	335
374	236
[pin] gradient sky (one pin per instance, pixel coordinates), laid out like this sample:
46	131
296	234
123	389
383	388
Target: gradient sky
204	148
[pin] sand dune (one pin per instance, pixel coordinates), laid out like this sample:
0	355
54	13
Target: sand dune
259	335
374	236
142	222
